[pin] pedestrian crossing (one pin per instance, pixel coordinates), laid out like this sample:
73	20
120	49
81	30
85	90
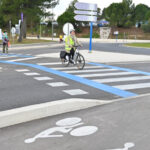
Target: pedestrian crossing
103	75
123	79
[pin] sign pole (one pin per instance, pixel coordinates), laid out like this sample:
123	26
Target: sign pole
91	34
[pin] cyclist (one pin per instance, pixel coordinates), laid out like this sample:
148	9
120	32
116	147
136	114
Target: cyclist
70	42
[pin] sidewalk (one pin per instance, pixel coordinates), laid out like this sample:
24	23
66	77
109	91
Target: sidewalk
99	40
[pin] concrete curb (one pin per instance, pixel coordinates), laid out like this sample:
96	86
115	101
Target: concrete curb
29	113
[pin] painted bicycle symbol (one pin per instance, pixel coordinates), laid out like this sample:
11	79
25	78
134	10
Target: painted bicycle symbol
126	146
65	126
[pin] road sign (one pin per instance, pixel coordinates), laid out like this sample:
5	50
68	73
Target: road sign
85	12
116	32
85	18
17	29
89	15
86	6
55	23
67	27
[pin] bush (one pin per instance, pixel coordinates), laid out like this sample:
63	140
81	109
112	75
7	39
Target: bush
128	24
146	27
95	35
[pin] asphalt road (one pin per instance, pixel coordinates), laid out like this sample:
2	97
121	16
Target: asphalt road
26	79
118	48
18	88
123	125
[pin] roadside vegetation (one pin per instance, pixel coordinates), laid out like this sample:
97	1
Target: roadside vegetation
122	17
28	41
142	45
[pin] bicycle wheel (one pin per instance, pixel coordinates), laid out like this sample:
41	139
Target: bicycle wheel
65	62
80	62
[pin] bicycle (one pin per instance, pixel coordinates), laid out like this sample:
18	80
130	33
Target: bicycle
78	59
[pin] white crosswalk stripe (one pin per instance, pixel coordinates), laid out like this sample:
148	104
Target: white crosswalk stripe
133	86
6	57
24	59
74	67
74	92
32	74
48	64
87	71
107	74
57	84
43	78
22	70
110	80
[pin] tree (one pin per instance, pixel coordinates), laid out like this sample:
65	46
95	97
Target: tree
140	13
146	27
33	11
119	14
68	15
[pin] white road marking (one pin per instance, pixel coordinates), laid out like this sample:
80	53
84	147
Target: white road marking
6	57
73	126
74	67
107	74
133	86
94	70
84	131
43	78
75	92
126	146
22	70
122	79
57	84
24	59
32	74
47	64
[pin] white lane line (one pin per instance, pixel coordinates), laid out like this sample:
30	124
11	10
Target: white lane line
75	92
22	59
47	64
43	78
57	84
74	67
86	71
22	70
133	86
109	80
107	74
32	74
6	57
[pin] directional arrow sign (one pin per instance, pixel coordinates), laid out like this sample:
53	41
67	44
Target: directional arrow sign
86	6
85	18
85	13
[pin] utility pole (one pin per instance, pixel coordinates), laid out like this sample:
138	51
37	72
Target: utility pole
10	29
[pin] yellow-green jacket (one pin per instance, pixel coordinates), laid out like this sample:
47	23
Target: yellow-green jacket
69	43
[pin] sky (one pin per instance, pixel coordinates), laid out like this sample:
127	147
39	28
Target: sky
63	4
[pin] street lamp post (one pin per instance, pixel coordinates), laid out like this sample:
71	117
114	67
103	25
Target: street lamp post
52	25
10	29
40	30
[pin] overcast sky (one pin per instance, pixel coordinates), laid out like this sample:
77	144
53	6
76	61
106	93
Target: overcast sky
63	4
